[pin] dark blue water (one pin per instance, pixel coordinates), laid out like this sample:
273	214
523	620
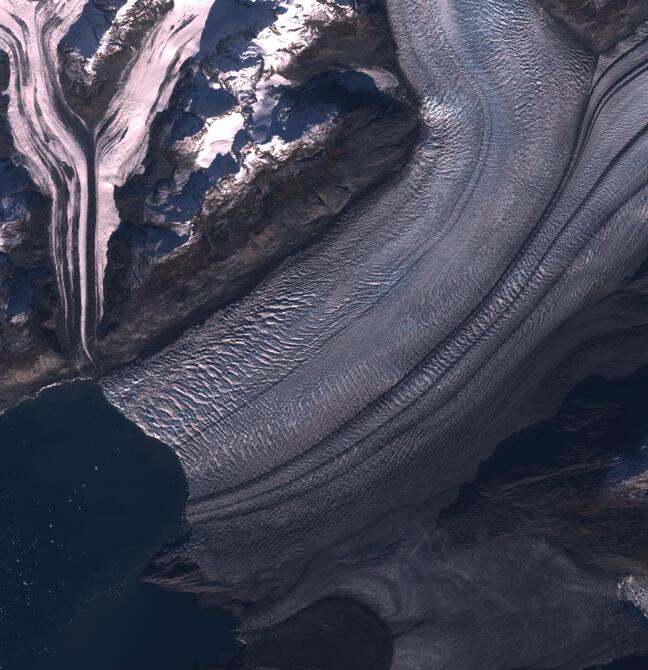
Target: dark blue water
85	500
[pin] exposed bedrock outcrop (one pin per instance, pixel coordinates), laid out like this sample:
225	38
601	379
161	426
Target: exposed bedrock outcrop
267	121
326	418
91	69
207	218
598	24
246	231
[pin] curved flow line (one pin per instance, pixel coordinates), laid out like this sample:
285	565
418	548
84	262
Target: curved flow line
54	156
523	270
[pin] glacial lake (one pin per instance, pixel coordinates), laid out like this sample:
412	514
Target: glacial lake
85	500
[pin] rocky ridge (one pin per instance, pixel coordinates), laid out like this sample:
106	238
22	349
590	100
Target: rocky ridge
254	157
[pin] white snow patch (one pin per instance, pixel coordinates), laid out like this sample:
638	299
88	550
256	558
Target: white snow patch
219	133
632	591
260	85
